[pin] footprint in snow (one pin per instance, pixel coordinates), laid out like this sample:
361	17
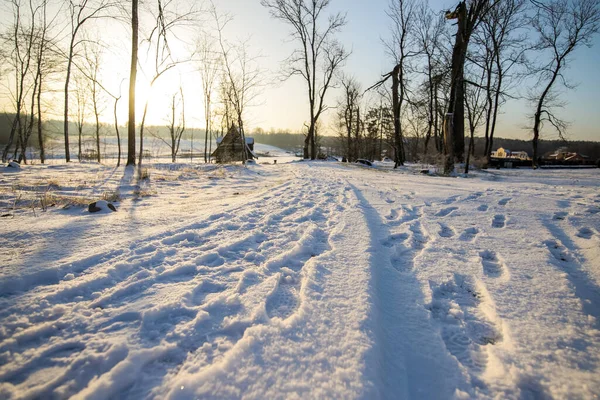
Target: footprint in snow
451	199
393	239
504	201
469	234
393	214
446	231
499	221
492	264
483	207
456	306
593	210
285	300
559	252
560	215
585	233
445	211
474	196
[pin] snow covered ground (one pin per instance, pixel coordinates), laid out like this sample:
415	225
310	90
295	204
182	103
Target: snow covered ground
299	280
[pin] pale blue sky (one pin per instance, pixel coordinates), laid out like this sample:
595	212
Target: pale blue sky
367	24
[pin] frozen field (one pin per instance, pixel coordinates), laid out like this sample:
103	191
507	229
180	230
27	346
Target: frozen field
299	280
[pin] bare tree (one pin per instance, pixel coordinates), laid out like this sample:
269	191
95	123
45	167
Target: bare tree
80	13
176	124
562	27
132	83
166	20
318	55
429	29
208	68
21	38
29	48
92	59
476	105
469	15
349	116
241	76
82	90
402	48
46	63
505	45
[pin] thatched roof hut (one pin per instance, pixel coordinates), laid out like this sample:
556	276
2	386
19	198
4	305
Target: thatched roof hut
230	147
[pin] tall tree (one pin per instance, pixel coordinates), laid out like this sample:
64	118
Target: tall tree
469	14
349	116
476	105
176	125
562	27
22	44
241	77
505	44
82	92
80	13
167	18
402	48
208	68
429	29
92	60
317	57
132	82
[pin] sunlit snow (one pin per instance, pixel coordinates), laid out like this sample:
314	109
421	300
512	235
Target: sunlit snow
298	280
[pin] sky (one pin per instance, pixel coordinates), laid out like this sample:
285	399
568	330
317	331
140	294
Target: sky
282	105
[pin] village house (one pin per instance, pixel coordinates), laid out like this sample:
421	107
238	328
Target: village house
506	153
562	154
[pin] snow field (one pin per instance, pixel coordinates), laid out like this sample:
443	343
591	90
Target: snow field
322	280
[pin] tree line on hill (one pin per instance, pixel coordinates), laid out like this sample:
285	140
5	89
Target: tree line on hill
336	146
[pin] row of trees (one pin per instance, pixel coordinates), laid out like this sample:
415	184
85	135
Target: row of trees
442	75
54	47
439	82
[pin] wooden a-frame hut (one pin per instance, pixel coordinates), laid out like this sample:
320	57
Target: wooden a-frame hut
230	147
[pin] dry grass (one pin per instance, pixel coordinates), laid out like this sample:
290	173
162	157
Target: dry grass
54	183
479	163
139	193
144	174
112	196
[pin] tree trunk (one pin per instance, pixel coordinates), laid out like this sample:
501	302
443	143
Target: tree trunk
536	136
207	129
495	113
306	156
471	149
449	143
117	132
98	158
66	114
456	104
79	130
39	123
399	148
132	78
142	131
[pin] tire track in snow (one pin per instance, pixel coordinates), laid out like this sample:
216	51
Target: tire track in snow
564	254
406	341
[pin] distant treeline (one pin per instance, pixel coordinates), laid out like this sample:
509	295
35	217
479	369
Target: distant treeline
53	129
294	141
334	145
